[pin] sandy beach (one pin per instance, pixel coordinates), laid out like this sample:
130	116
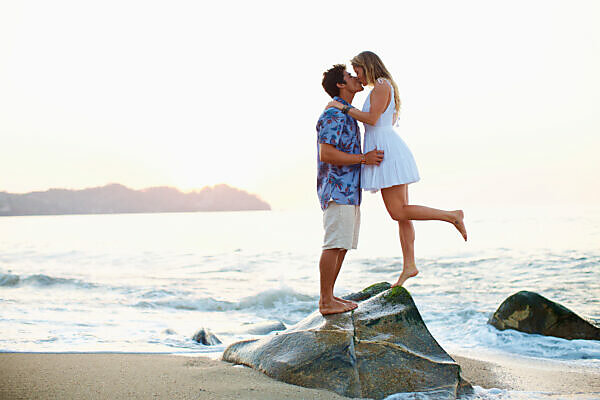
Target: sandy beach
533	375
145	376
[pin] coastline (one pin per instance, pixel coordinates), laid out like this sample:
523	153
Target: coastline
142	376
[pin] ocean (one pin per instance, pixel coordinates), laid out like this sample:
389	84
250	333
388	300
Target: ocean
148	282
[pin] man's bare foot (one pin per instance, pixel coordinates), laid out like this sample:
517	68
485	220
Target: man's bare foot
407	272
345	301
335	307
459	216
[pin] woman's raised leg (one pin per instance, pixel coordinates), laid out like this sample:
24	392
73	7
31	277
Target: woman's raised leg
396	200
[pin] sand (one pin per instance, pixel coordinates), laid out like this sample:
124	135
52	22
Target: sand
138	376
157	376
531	375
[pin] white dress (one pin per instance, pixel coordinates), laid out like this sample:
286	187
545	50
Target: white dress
398	165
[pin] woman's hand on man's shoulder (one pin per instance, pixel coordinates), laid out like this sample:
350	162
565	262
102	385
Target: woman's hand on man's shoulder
334	104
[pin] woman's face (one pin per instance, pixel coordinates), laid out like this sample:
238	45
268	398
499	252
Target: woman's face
360	74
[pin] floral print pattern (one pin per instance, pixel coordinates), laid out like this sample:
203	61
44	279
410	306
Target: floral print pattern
340	183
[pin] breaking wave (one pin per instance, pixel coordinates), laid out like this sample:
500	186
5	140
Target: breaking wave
40	280
266	300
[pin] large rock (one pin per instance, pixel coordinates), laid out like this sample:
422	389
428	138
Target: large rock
382	347
532	313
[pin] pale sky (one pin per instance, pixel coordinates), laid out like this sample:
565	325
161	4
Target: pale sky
500	99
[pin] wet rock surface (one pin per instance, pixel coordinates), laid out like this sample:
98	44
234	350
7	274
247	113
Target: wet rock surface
382	347
530	312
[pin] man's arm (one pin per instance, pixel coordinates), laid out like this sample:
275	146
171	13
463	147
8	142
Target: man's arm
330	155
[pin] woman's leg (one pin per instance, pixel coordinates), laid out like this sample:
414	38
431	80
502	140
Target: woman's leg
407	241
395	199
396	203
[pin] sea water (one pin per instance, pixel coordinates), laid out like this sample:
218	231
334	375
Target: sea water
148	282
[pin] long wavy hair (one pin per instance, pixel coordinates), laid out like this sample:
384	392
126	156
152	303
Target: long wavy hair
374	69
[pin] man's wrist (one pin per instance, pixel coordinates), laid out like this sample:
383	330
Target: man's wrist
363	159
345	109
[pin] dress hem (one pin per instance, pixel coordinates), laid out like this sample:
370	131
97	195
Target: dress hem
375	190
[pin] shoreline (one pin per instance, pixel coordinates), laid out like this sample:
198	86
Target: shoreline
174	376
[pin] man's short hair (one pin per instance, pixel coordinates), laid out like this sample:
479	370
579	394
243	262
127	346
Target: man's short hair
332	77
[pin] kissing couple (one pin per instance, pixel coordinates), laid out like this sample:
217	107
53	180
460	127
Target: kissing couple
386	165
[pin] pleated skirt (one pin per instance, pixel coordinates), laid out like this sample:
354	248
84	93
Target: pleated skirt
398	166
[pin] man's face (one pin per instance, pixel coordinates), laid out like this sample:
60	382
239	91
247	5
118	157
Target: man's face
352	83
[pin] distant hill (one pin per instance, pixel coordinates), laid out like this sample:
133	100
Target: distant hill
116	198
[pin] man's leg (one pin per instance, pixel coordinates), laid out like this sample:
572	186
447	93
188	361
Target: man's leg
338	262
338	267
338	222
328	266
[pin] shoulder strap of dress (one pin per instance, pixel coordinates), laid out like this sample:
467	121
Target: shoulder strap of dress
381	80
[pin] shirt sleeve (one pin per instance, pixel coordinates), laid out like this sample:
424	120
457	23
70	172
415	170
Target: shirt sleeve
330	127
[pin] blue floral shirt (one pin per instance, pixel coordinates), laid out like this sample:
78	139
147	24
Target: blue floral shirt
340	183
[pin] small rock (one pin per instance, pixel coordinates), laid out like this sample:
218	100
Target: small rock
530	312
206	337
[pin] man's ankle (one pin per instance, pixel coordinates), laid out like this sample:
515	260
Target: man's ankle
326	300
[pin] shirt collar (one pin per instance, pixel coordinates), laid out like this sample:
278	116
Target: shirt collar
344	102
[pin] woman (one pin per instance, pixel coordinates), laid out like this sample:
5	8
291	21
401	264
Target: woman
398	167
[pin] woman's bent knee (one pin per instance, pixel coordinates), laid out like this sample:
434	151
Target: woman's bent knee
399	217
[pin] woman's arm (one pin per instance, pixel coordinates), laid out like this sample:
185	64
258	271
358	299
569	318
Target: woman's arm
380	97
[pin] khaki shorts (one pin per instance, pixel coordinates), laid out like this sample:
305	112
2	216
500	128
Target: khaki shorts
341	223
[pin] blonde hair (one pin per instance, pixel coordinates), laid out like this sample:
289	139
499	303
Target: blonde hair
374	69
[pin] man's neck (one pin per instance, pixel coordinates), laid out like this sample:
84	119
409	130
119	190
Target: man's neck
347	96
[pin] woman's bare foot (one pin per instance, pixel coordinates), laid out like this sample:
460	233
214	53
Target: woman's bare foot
345	301
459	216
407	272
335	307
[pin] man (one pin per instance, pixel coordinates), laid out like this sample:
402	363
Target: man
338	183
